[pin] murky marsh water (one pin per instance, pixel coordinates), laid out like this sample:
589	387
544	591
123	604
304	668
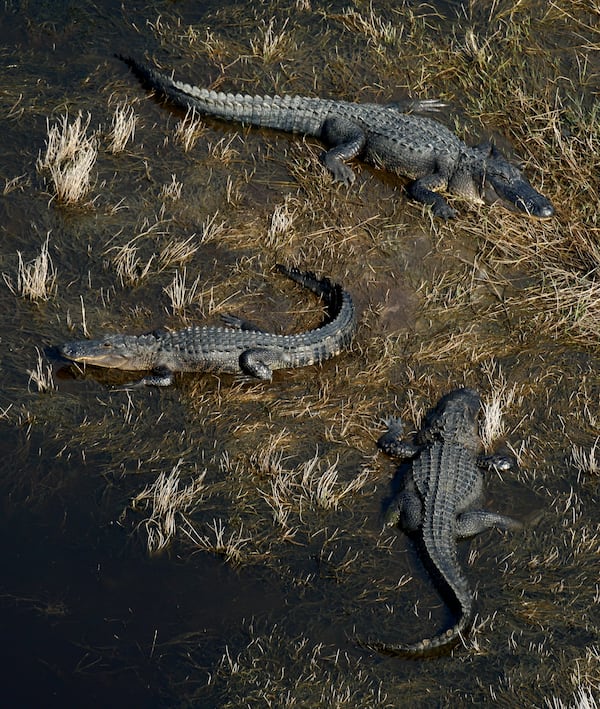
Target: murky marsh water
256	600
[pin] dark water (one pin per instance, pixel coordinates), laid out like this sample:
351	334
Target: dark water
88	616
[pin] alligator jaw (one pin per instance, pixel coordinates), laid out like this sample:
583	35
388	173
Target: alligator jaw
521	195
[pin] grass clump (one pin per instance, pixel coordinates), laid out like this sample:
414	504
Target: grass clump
166	501
123	126
69	158
36	280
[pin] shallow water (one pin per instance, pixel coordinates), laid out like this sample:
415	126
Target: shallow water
88	614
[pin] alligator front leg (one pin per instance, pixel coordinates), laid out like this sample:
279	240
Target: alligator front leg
423	191
392	443
348	140
161	377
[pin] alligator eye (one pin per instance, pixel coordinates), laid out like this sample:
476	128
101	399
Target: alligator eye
106	344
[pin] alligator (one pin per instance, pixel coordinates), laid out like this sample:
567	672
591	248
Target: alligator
414	146
439	502
238	348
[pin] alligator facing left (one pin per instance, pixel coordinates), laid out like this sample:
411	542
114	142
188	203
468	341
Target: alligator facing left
413	146
439	501
239	348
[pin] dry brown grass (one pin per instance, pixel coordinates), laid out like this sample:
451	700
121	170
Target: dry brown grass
123	126
167	503
36	280
69	158
189	130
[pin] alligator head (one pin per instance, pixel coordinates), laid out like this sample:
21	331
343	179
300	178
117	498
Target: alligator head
113	351
506	181
483	170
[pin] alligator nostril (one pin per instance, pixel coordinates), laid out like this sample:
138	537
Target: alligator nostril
546	211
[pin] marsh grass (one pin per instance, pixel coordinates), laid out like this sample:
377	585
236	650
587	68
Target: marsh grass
123	125
587	461
36	280
232	548
180	293
178	251
501	285
370	25
221	151
130	268
69	158
272	44
281	224
189	130
167	502
499	399
16	183
41	376
171	190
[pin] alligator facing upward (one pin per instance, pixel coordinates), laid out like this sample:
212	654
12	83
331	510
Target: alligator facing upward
439	499
413	146
239	348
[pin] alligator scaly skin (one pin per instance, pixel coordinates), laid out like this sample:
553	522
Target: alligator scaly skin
439	501
239	348
411	145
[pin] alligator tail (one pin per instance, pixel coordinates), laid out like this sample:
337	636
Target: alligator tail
444	562
428	647
295	114
341	322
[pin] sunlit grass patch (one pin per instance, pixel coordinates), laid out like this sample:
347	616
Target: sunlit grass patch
271	44
500	398
130	267
167	503
178	251
124	121
36	280
232	546
180	293
188	130
171	190
69	158
41	376
587	461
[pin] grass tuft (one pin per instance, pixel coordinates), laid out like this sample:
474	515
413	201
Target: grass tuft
36	279
69	158
123	126
166	502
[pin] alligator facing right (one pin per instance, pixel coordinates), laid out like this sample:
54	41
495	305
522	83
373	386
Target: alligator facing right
439	500
240	348
413	146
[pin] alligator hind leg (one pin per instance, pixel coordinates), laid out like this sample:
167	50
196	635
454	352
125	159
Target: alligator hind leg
257	362
236	323
347	140
423	191
497	462
473	522
406	511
